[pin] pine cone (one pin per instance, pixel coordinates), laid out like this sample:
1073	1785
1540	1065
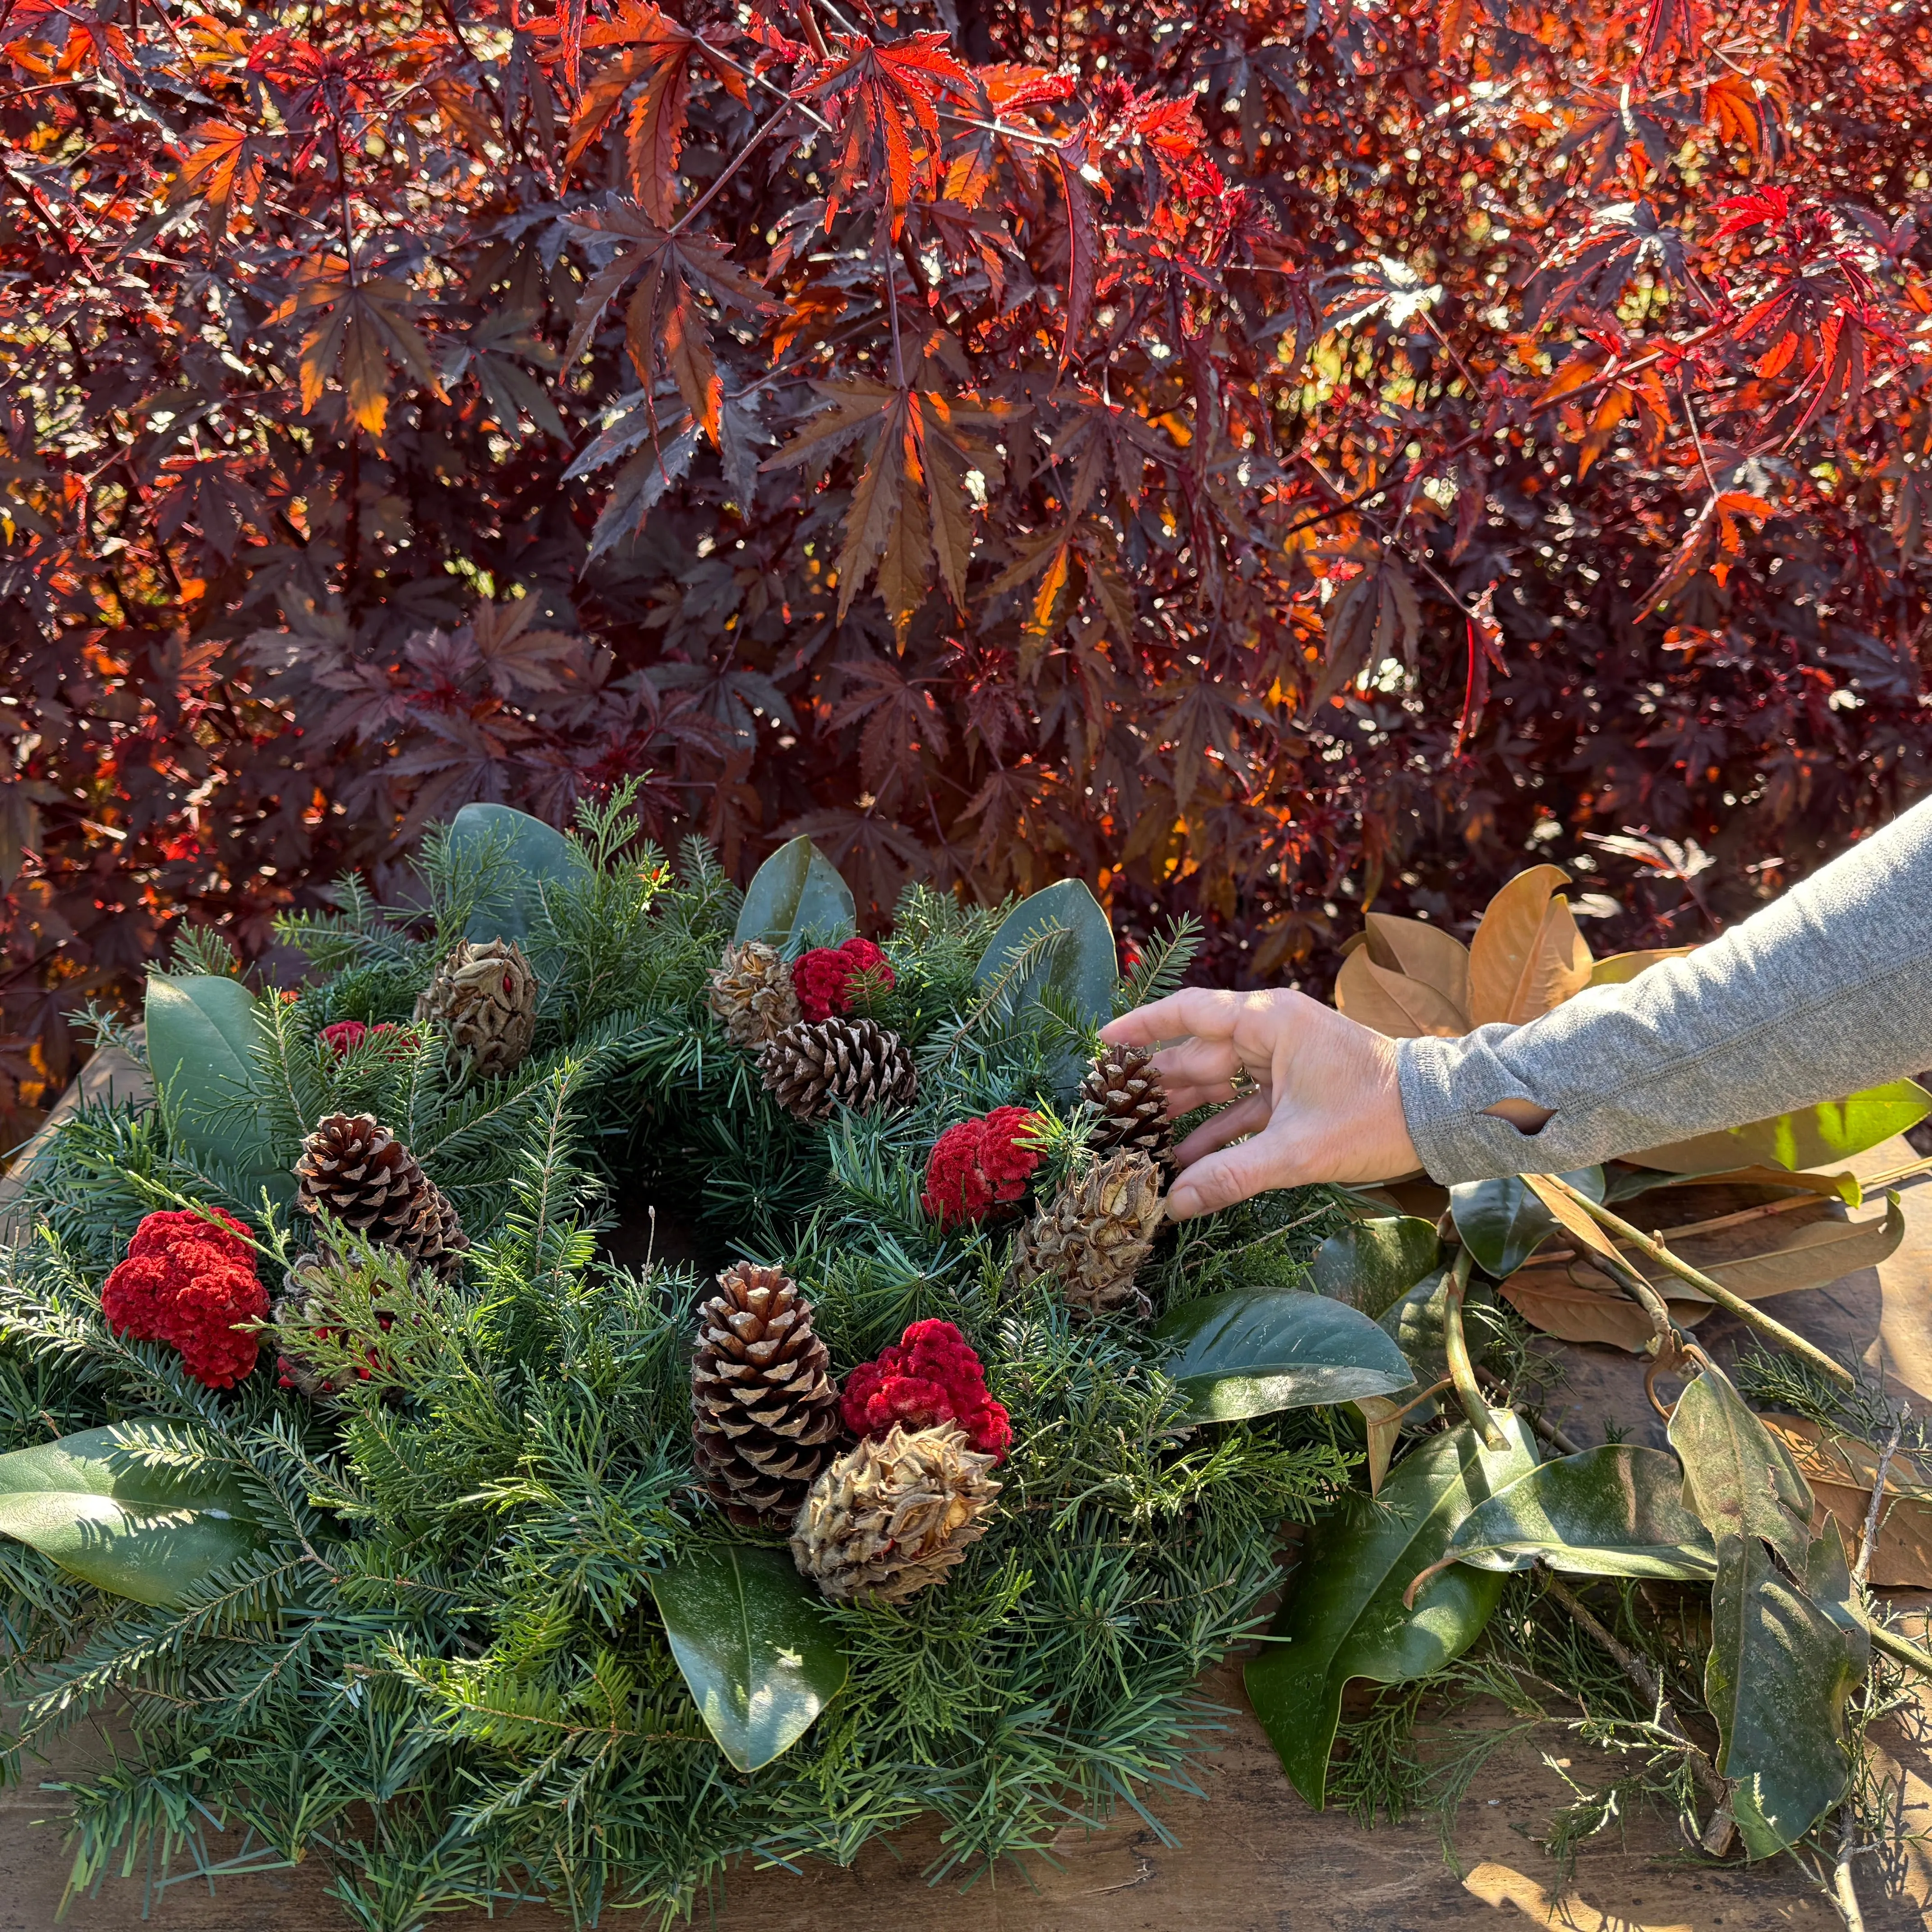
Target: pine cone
889	1518
752	993
306	1281
360	1173
816	1065
1093	1235
1133	1101
484	996
764	1411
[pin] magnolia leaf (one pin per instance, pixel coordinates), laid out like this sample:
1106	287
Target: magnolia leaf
1253	1351
1084	965
1620	968
1527	955
1422	951
1394	1004
201	1041
1614	1511
135	1508
533	855
797	899
1811	1256
1371	1264
1834	1130
1502	1223
752	1639
1625	1184
1344	1616
1579	1304
1840	1472
1785	1655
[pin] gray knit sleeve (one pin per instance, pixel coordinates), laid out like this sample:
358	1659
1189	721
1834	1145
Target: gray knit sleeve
1824	992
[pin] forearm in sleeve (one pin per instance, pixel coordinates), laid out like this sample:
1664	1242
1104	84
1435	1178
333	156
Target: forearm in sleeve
1827	991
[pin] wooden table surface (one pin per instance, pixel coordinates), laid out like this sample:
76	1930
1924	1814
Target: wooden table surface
1250	1856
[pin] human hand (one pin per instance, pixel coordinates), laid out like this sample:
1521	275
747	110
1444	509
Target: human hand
1324	1104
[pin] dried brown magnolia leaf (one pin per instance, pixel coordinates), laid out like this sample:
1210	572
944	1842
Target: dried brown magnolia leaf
1809	1256
1840	1472
1394	1004
1527	955
1578	1304
1412	947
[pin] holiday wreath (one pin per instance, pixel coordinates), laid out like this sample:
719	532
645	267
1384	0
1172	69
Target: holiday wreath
405	1527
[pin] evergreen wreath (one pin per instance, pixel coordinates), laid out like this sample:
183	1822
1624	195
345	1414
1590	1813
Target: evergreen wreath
438	1592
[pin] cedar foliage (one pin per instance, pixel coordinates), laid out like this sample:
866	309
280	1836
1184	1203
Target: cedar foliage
1254	456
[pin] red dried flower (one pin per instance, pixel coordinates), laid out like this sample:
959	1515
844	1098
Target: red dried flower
822	977
346	1036
187	1282
978	1165
931	1376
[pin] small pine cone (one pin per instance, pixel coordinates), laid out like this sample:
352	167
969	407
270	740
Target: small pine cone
817	1065
484	996
1091	1238
764	1411
890	1518
1127	1089
294	1370
752	993
360	1173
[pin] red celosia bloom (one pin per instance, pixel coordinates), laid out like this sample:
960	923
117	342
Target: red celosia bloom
931	1376
188	1282
978	1165
346	1036
822	977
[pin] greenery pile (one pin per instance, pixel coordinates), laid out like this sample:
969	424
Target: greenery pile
446	1598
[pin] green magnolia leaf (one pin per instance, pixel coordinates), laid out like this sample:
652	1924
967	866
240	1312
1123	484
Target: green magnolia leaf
1502	1223
1344	1616
1784	1659
1253	1351
1813	1137
1083	967
1614	1511
753	1641
201	1040
1371	1264
797	897
97	1505
532	855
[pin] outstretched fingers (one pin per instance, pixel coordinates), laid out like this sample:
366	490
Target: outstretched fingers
1245	1117
1205	1011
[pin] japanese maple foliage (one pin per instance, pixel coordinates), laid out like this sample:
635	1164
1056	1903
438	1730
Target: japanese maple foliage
1257	456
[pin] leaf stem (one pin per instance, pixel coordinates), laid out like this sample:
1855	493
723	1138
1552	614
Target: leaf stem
1456	1348
1732	1304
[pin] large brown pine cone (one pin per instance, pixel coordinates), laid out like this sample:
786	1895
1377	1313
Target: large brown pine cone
764	1409
751	992
483	996
357	1170
819	1064
1091	1238
891	1517
1133	1101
